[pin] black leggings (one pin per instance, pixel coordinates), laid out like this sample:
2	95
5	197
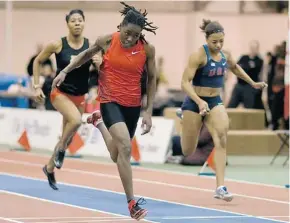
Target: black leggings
113	113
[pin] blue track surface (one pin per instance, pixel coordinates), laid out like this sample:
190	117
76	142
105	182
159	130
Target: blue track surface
115	202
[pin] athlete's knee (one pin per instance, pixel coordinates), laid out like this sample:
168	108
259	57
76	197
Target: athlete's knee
223	140
222	136
113	150
114	157
76	122
124	148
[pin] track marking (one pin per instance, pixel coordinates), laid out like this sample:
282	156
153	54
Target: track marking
152	169
155	199
165	217
64	204
10	220
141	181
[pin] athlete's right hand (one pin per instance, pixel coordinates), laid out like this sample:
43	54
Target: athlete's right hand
39	96
58	79
203	108
97	60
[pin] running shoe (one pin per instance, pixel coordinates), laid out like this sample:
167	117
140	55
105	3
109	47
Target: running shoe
59	158
136	211
223	194
95	118
50	178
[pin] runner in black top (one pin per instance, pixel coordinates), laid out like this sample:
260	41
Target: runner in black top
69	97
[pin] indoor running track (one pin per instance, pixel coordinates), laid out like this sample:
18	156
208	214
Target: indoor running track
92	192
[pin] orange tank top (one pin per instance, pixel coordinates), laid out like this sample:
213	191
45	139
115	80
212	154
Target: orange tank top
121	72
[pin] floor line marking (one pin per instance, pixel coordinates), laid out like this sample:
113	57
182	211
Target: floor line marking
152	169
10	220
155	199
141	181
62	203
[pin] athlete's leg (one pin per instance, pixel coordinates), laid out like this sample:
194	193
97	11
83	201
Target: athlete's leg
123	143
115	122
121	137
96	120
113	150
217	122
122	129
50	166
191	125
72	116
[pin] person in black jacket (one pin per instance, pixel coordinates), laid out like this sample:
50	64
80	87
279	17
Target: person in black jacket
242	92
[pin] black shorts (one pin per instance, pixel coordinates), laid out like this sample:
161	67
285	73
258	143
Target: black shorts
113	113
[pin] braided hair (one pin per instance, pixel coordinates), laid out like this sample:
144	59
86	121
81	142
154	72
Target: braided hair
136	17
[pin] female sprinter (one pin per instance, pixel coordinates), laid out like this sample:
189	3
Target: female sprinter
125	55
68	98
202	81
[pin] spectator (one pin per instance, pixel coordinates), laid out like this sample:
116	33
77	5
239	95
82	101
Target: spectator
278	88
30	63
243	92
204	147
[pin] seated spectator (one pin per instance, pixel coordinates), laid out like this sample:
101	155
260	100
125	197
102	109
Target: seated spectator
204	148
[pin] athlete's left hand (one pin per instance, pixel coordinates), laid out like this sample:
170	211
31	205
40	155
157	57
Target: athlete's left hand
259	85
146	123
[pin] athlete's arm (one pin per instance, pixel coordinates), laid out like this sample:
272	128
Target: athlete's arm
86	55
237	70
43	56
195	60
151	72
97	60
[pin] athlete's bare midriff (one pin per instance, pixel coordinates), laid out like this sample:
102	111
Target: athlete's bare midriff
207	91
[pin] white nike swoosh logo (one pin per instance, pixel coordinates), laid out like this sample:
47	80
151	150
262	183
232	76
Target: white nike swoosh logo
224	63
135	52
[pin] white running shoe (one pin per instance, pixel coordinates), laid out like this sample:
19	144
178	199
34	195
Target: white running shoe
223	194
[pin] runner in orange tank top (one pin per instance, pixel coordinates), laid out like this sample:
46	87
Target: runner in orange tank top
125	56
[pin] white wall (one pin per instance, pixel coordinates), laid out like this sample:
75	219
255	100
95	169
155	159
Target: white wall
176	38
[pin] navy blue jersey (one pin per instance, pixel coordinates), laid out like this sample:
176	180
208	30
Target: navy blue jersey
212	74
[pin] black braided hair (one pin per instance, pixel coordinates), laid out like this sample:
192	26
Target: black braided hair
137	17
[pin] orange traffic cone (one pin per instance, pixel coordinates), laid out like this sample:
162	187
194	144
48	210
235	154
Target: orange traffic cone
24	142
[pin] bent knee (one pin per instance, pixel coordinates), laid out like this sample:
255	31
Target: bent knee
114	155
114	158
222	138
124	147
76	122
